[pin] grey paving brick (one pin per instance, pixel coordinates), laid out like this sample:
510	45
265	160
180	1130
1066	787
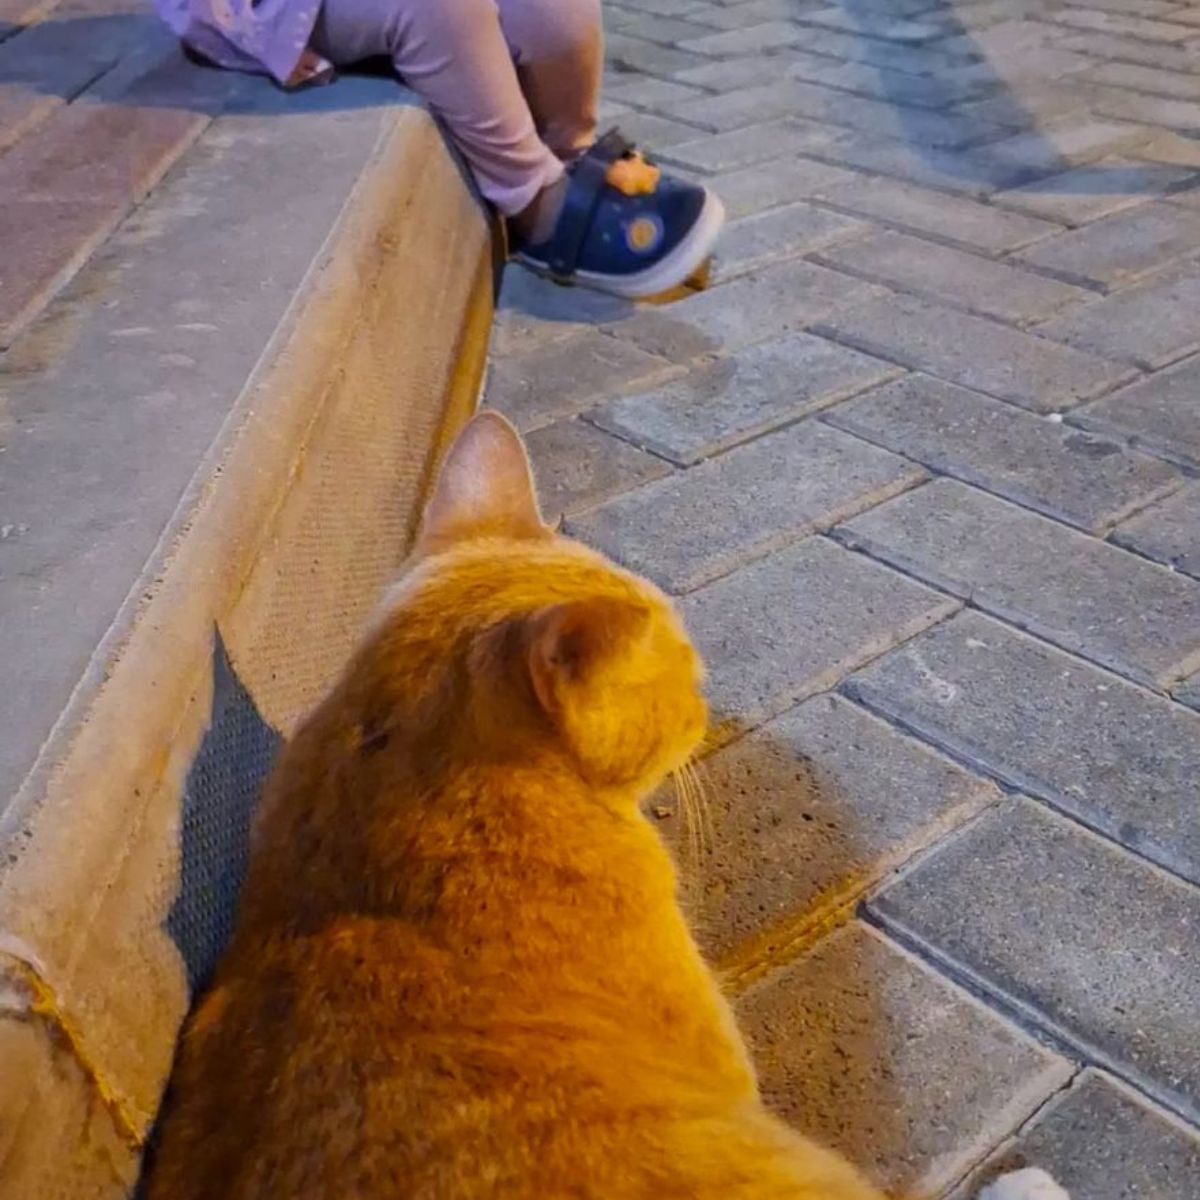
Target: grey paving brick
967	172
1161	413
1095	190
725	402
1168	532
864	1048
770	35
1127	1002
532	312
942	273
694	526
914	60
878	24
726	74
1085	480
806	812
763	305
1006	363
1102	1140
1032	105
782	233
948	218
770	184
1080	593
1155	80
1119	758
735	109
1120	249
566	376
1054	148
1110	47
1188	692
634	54
577	465
642	91
652	131
665	30
793	624
1144	28
744	147
1183	115
1150	324
1030	66
879	83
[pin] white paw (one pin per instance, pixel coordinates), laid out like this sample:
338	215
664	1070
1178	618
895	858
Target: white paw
1030	1184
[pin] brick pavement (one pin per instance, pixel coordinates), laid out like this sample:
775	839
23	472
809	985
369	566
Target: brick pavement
921	466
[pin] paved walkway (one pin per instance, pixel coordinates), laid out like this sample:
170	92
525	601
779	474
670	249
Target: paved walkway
922	469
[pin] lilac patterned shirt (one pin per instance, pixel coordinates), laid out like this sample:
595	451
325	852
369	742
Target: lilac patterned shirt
269	37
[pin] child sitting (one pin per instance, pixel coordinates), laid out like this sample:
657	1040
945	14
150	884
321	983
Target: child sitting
516	83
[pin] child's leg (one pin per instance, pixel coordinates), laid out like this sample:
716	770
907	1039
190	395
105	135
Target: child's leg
559	50
454	53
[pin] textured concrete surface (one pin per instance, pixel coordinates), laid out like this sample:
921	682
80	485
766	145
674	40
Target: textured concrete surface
1104	1141
867	1049
1126	1003
215	437
1012	310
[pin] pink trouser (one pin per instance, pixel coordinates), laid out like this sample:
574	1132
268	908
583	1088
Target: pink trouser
515	81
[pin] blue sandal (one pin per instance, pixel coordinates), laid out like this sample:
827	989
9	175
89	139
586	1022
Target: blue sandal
625	228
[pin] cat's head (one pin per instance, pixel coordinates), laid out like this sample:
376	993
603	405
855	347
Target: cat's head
540	645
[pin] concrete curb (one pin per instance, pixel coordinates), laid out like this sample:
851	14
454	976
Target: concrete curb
302	507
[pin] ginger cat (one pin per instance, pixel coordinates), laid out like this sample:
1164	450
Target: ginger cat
460	970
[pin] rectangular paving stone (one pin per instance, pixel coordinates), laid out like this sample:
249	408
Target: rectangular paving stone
1086	481
803	814
852	47
1120	249
1143	28
532	311
1188	692
770	184
1103	1140
1161	413
564	377
952	276
744	147
793	624
768	36
1082	594
1128	1001
879	83
1140	78
649	129
968	172
765	304
693	526
977	353
634	54
725	74
1168	532
577	465
665	30
782	233
864	1048
725	402
1183	115
1096	190
643	91
878	24
1151	324
1110	47
1118	758
947	218
1050	150
735	109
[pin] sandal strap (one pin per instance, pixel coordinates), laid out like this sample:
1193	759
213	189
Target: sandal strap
585	186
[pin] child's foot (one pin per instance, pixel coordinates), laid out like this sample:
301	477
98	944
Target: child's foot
624	227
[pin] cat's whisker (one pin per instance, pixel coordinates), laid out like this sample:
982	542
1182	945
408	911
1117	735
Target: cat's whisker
688	814
699	791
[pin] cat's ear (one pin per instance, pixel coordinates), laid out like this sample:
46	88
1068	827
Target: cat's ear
485	488
571	644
